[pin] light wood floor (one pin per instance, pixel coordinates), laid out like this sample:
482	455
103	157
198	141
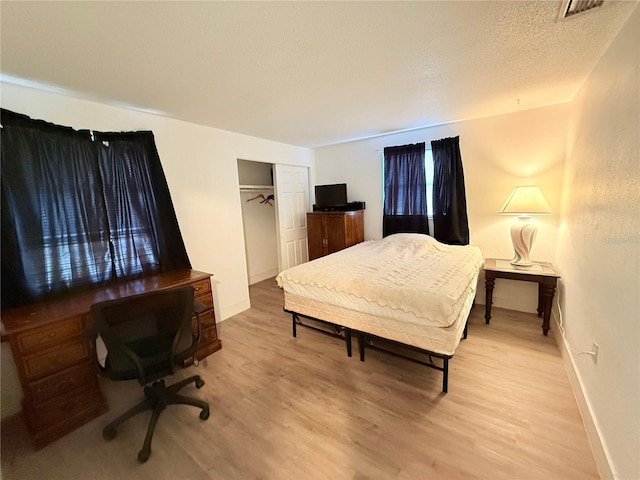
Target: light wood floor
285	408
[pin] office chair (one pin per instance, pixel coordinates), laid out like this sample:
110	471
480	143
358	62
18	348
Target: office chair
146	337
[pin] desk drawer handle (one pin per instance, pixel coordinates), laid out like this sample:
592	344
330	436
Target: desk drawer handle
57	358
46	338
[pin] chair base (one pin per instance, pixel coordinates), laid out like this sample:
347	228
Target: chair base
157	397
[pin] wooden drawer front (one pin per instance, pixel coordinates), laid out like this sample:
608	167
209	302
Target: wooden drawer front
209	344
206	298
60	410
209	334
207	319
201	286
54	359
34	340
57	385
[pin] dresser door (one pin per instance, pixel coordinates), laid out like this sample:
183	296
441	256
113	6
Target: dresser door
335	231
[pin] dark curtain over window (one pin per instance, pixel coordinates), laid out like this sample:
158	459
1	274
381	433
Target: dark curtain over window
67	204
145	236
405	190
450	224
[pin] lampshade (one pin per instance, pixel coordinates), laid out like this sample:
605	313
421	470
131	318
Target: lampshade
523	201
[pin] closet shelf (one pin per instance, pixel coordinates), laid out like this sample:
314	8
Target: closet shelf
256	188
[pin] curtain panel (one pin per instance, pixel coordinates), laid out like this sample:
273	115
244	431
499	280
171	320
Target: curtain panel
405	190
145	234
81	209
450	223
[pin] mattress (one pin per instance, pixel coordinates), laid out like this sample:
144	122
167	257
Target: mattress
443	340
407	279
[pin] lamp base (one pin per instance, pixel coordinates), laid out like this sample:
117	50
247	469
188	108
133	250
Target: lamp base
523	233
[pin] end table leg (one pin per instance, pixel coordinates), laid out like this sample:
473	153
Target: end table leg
548	293
488	284
540	300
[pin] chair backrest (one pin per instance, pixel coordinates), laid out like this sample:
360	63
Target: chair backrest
147	334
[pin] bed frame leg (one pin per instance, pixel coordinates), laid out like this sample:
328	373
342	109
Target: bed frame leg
294	319
347	338
361	341
445	375
464	332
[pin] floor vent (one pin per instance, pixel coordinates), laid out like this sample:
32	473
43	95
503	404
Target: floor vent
578	6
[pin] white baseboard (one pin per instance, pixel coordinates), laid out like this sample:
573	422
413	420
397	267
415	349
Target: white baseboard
258	277
231	310
598	448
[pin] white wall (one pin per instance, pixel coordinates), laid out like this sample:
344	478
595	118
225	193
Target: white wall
200	164
498	153
599	248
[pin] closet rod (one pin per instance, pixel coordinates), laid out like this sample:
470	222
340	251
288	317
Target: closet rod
256	188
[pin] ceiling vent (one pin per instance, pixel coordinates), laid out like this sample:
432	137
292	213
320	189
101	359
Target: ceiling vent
578	6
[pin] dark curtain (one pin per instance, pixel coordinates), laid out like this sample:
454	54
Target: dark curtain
54	232
145	236
405	190
75	215
450	223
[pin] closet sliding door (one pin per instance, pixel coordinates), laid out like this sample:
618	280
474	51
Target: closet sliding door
292	194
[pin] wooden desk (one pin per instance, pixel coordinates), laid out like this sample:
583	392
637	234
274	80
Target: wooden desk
57	364
543	273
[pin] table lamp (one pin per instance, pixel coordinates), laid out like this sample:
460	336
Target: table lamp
524	202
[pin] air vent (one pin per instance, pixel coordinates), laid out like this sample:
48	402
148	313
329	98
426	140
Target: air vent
579	6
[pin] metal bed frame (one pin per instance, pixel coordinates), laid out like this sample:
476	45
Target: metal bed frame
367	340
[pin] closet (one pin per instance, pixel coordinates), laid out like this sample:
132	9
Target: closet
258	219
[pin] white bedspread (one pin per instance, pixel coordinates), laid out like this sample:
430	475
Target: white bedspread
404	276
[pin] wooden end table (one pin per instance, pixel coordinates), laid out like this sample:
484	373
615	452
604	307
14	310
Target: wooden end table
543	273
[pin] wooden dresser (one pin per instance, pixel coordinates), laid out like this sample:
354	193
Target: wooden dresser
328	232
57	364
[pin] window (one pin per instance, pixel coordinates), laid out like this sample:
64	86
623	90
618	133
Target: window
428	164
81	210
428	170
405	192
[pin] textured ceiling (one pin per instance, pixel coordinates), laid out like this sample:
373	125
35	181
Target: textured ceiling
309	73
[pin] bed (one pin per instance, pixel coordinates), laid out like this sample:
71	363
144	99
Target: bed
405	290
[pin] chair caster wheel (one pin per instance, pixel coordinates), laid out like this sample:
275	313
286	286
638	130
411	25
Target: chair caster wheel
204	414
143	455
109	433
199	383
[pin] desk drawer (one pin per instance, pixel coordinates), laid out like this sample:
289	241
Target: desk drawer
209	335
206	298
201	286
207	319
43	337
209	344
54	359
62	409
59	384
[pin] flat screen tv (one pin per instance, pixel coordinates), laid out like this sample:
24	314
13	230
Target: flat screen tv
331	196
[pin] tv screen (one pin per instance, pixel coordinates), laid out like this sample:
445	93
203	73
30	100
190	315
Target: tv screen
328	196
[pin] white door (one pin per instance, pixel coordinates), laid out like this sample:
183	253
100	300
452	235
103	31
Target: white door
292	201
